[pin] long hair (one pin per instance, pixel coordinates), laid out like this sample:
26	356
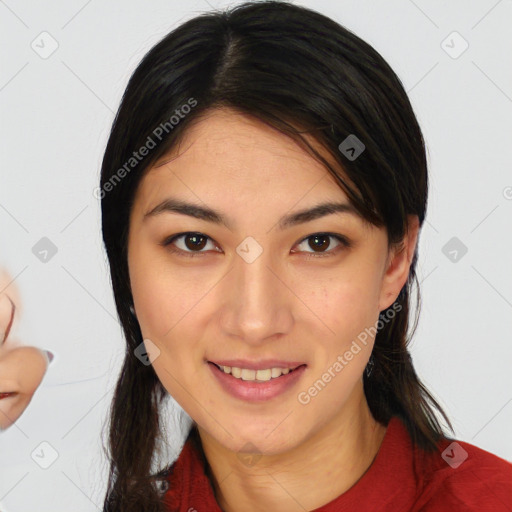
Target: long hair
300	73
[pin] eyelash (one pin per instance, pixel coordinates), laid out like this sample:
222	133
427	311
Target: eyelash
344	243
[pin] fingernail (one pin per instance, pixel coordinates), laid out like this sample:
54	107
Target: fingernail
49	355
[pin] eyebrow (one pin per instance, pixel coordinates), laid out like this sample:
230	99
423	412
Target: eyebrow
171	205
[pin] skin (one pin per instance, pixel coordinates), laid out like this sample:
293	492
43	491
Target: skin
21	368
218	306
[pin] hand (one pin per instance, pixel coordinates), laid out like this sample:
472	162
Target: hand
21	368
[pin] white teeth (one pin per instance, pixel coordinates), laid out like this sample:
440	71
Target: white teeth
248	374
255	375
264	374
276	372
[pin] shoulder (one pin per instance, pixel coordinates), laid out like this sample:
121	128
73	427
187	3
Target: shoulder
461	476
187	481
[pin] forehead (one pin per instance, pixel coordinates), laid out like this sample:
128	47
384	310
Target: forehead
229	137
225	151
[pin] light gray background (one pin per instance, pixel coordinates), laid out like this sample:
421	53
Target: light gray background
56	113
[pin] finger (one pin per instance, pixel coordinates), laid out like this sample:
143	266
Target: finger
7	309
9	287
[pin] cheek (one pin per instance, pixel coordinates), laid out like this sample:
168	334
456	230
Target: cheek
167	304
349	306
349	302
157	291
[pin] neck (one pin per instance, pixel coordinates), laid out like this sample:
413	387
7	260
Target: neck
311	474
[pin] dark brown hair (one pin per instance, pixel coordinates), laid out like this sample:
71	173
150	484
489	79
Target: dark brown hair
301	73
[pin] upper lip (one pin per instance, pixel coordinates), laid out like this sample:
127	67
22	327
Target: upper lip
258	365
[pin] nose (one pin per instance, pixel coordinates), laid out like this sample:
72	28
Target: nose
256	302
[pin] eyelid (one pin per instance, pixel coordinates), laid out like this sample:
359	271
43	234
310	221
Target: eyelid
344	243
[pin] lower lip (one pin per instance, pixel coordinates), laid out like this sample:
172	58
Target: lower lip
256	391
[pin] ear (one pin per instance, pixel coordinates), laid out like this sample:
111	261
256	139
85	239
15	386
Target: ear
398	264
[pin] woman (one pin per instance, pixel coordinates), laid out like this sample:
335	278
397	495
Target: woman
262	192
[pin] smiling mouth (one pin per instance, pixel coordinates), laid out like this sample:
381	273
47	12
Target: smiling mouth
264	375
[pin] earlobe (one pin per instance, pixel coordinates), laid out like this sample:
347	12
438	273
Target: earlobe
398	265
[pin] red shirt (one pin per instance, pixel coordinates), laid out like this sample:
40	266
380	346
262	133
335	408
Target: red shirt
460	477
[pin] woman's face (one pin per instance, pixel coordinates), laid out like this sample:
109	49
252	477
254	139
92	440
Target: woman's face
255	290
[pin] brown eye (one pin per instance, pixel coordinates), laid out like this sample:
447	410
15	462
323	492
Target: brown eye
195	241
320	242
190	243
